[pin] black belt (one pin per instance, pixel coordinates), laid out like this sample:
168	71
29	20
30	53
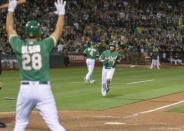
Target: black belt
109	67
40	82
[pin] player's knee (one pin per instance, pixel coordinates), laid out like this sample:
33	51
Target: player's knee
90	72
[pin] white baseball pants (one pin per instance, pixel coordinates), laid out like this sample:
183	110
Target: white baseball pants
155	62
39	96
90	66
107	74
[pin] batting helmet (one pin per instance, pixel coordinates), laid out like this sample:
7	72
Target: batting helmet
112	44
33	29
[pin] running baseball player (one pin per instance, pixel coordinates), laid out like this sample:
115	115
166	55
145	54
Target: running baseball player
33	59
91	53
109	58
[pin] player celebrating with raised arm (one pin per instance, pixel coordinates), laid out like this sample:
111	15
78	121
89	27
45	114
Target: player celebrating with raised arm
91	53
109	58
33	59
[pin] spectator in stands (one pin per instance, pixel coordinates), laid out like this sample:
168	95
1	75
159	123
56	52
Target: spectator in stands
106	20
60	48
66	57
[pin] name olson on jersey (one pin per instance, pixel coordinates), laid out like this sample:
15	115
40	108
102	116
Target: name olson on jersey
30	49
31	58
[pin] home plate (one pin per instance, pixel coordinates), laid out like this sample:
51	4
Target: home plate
114	123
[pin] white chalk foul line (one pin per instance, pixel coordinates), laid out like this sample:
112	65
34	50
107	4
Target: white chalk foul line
136	82
130	83
9	98
114	123
153	110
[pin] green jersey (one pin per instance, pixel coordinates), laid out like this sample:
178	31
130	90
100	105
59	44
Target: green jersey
91	53
109	58
155	55
33	58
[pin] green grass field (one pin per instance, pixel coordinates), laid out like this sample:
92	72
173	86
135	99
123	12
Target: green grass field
129	85
177	109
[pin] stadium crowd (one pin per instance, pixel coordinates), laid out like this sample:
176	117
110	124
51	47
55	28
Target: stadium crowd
136	26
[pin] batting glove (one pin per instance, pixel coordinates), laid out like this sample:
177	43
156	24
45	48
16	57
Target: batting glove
12	5
60	7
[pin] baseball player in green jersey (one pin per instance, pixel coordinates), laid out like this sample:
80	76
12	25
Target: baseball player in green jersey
33	59
109	58
91	53
155	59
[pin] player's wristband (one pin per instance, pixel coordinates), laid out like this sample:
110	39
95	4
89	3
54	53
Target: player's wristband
11	10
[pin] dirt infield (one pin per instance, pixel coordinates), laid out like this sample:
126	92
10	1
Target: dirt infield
149	115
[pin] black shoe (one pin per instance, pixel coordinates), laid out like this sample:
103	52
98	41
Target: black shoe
2	125
108	88
108	85
1	85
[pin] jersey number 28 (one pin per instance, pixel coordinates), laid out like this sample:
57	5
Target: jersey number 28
30	62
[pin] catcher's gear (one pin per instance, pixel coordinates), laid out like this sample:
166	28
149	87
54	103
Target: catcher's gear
33	29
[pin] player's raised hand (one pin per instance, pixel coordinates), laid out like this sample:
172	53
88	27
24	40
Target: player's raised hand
60	7
12	5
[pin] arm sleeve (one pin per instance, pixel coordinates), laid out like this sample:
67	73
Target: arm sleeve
97	54
101	58
118	60
16	43
85	52
49	43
